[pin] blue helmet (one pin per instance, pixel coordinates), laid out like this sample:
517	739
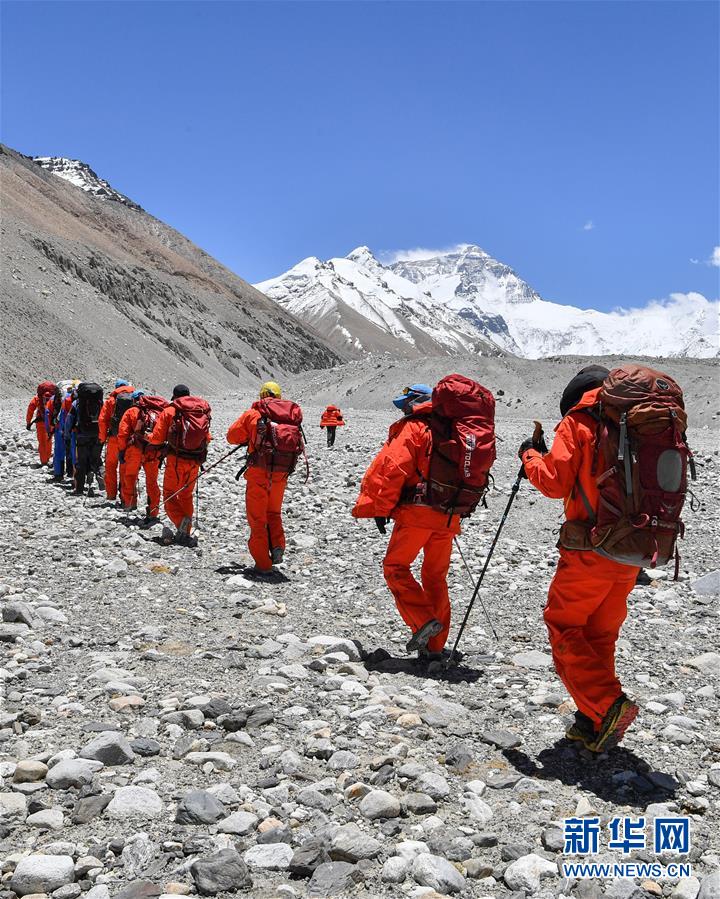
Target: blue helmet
137	393
121	383
413	394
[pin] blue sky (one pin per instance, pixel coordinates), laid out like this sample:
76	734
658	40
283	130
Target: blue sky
576	141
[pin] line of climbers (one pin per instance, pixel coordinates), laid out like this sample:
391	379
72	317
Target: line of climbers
619	461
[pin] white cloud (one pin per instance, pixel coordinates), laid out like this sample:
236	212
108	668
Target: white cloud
589	225
715	258
418	253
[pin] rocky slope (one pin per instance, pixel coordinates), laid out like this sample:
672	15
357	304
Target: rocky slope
169	726
95	287
464	300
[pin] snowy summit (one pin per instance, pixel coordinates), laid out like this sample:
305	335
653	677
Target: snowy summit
81	175
463	300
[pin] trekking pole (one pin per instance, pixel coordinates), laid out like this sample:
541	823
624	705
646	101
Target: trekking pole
203	472
197	503
472	581
539	441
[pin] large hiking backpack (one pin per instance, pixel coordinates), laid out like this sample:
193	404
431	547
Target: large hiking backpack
640	465
123	402
462	426
89	404
55	406
280	441
189	430
149	408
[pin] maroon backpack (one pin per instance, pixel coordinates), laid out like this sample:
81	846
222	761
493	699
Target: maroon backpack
189	431
149	408
462	424
280	441
641	464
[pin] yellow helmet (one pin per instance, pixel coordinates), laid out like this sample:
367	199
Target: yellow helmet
270	388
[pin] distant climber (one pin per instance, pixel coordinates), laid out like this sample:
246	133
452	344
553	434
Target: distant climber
35	415
331	419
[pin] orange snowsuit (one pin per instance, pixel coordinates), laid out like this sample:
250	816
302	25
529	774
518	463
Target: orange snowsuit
264	494
110	440
43	438
587	599
331	418
402	463
135	459
179	472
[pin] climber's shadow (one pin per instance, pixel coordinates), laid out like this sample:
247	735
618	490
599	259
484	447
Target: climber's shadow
381	660
620	776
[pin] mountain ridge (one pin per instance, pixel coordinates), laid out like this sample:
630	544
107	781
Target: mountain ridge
98	288
465	300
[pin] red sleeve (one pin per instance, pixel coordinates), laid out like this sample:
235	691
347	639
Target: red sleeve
555	473
127	427
390	471
32	406
106	413
243	432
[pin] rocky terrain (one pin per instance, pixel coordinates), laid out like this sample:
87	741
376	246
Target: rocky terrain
94	285
170	727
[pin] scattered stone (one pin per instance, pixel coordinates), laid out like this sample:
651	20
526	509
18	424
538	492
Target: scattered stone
111	748
199	807
29	771
438	873
333	879
525	873
42	874
135	802
269	857
379	804
223	872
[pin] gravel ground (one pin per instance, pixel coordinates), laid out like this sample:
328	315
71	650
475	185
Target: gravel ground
169	726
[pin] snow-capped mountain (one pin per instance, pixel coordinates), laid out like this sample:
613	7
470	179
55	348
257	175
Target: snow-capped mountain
464	300
81	175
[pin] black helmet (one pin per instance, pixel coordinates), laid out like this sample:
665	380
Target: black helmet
587	378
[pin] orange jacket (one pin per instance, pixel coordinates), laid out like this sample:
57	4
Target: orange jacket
332	417
31	409
403	461
127	427
108	407
243	432
570	460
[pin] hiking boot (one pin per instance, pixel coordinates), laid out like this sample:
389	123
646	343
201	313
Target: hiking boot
423	635
182	539
582	730
643	579
277	554
618	718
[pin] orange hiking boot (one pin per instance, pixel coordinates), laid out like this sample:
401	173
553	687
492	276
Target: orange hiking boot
618	718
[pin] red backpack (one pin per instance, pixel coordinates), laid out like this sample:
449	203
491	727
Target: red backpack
462	424
149	408
45	391
280	441
189	431
641	463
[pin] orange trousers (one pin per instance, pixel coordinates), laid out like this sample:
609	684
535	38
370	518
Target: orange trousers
129	473
418	603
264	495
178	473
586	606
112	464
44	443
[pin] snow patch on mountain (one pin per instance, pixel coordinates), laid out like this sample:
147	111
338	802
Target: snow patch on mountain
81	175
462	299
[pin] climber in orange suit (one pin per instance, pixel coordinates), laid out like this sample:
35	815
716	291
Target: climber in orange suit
402	463
36	415
107	433
180	472
587	599
132	446
264	490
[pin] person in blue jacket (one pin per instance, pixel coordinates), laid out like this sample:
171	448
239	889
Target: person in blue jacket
55	414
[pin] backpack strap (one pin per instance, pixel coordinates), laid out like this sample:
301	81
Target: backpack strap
585	501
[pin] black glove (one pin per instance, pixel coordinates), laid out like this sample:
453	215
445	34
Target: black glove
121	456
27	427
381	521
525	446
